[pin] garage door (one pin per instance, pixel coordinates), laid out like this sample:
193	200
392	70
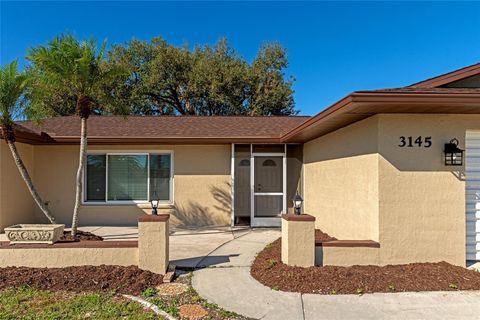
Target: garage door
472	172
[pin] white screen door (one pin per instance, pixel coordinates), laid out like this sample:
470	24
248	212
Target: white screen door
268	189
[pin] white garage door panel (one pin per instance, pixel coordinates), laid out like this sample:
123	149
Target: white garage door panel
472	194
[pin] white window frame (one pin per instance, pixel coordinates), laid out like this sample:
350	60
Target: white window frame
129	153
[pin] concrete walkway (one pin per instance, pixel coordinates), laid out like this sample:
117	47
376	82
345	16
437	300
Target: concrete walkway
226	281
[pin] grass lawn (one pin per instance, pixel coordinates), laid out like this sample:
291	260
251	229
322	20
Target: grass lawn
28	303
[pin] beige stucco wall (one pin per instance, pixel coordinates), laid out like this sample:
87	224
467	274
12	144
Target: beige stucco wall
347	256
361	185
66	257
16	204
153	245
421	201
201	187
341	181
298	242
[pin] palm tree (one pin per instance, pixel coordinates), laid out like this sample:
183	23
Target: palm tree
12	88
76	70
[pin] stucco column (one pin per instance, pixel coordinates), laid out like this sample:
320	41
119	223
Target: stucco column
298	240
153	242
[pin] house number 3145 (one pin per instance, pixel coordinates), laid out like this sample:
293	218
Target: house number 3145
419	142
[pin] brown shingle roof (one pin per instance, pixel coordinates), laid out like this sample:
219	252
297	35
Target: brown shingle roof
168	128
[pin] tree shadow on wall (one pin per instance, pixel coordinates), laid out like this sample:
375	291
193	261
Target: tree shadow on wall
195	213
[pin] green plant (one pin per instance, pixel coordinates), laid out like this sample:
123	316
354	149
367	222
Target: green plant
149	292
276	288
333	292
453	286
226	314
210	305
271	263
391	287
360	291
167	306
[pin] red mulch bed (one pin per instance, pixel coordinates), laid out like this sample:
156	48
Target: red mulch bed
322	236
128	280
80	236
268	269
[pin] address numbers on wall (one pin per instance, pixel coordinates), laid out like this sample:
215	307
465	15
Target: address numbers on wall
415	142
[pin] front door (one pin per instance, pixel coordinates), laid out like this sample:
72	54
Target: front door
268	189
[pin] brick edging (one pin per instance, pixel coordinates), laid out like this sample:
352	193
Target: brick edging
5	245
348	243
152	218
298	217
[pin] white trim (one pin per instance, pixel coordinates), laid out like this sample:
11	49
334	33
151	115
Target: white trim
162	203
268	154
268	193
232	184
252	186
285	179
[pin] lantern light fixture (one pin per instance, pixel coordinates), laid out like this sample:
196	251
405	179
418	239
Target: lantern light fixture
154	201
297	204
453	154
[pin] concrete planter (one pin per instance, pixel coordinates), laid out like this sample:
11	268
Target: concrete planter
34	233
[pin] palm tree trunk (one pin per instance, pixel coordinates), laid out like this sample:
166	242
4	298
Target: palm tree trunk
26	177
81	168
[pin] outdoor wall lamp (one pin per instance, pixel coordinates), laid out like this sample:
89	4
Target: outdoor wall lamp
453	154
154	202
297	203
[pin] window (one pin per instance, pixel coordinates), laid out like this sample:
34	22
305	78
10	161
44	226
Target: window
128	177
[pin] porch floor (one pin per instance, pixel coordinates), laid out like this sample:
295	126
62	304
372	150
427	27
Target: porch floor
188	246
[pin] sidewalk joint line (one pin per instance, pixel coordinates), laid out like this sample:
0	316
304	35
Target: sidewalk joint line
201	260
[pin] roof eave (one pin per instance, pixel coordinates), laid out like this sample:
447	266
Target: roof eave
384	100
449	77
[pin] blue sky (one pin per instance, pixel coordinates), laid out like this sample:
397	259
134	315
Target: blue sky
334	47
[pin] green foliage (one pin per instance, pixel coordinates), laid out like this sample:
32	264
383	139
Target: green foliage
360	291
66	70
271	263
453	286
28	303
149	292
12	87
169	306
392	287
156	78
165	79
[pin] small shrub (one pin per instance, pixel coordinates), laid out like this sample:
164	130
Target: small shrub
271	263
360	291
453	286
333	292
149	292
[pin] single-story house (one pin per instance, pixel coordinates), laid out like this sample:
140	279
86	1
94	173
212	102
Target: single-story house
372	166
